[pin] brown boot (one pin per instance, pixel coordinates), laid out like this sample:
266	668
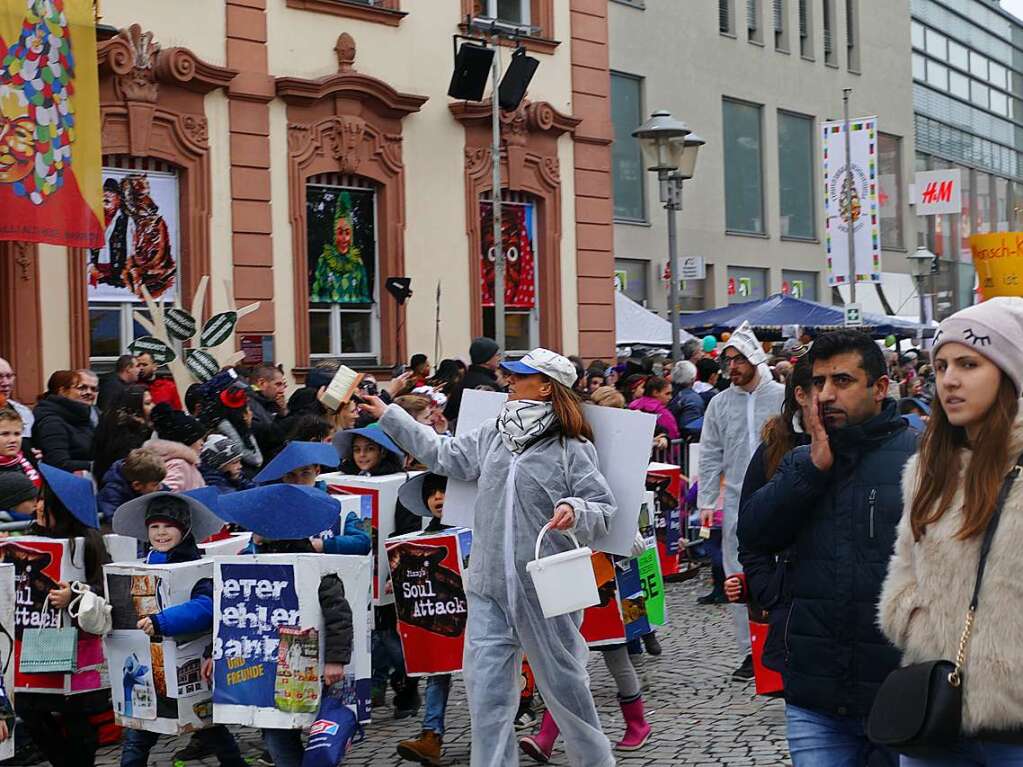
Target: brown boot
424	750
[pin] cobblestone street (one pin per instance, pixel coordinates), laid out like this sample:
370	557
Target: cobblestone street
699	715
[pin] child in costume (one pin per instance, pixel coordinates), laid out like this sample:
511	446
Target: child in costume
170	523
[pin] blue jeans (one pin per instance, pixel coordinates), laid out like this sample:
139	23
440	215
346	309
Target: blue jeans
137	744
973	753
823	740
285	747
387	656
437	689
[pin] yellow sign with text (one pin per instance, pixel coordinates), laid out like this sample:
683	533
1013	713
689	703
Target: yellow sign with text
998	259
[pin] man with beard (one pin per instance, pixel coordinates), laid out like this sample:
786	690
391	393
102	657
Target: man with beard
731	433
836	502
160	389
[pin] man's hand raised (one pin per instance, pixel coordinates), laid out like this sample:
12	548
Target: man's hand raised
820	443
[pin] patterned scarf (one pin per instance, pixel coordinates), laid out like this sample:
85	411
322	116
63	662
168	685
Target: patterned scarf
523	421
19	461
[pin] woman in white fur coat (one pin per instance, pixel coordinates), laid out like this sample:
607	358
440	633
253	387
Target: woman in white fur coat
950	489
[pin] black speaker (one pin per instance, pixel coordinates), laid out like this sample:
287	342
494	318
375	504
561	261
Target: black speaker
516	80
472	68
399	287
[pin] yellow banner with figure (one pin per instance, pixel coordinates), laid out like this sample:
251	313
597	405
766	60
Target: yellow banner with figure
50	174
998	259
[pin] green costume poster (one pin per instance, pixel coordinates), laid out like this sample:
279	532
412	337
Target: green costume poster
653	586
341	245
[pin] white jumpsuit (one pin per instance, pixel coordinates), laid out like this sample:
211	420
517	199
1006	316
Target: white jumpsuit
730	436
517	497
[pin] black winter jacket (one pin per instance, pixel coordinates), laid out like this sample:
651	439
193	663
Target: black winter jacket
840	525
63	432
766	574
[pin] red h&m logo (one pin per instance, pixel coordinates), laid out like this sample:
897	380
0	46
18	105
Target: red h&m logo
937	192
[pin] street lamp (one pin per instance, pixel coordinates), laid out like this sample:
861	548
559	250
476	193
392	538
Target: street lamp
670	149
921	265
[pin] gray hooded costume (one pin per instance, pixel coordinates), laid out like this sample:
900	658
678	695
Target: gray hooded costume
518	493
731	434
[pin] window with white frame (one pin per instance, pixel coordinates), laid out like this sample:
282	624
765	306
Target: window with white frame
521	272
343	276
142	245
511	11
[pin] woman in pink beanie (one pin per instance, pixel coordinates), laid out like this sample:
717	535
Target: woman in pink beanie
969	452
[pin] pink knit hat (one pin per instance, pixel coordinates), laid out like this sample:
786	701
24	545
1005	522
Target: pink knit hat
993	329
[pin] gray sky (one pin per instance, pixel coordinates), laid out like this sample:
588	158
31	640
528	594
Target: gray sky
1014	7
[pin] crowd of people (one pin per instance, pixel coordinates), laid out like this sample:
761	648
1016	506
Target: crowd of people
838	491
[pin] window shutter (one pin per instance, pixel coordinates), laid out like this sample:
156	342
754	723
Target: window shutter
723	21
803	32
850	24
751	15
827	27
779	15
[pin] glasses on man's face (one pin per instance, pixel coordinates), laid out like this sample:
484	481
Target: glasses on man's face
727	362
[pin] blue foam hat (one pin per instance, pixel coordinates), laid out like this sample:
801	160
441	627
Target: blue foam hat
76	493
343	440
281	512
295	455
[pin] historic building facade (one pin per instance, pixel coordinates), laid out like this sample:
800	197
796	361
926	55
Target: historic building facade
302	152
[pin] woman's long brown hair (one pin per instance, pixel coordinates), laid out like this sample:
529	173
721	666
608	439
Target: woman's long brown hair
569	412
939	464
778	435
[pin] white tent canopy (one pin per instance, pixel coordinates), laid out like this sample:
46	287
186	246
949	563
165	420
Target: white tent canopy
636	326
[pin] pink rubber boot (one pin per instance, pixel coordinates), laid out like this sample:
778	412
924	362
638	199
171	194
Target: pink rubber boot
637	731
541	745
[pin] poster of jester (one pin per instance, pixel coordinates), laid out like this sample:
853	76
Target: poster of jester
851	199
518	222
269	636
49	123
159	685
341	227
429	598
141	226
39	565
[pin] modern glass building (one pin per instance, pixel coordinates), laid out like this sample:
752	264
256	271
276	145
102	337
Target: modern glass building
968	113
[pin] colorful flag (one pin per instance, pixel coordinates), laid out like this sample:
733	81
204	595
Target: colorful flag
50	174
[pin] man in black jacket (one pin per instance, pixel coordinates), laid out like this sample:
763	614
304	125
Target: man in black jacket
112	385
835	504
269	408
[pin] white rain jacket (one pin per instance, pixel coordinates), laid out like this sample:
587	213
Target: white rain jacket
517	497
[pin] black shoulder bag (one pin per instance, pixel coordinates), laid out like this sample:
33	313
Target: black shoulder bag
919	709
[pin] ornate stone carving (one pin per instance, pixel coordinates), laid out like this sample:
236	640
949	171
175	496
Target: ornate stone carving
133	60
345	50
196	128
346	136
552	166
298	138
23	260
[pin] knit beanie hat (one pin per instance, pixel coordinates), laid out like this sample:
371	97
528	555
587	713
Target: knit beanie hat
745	341
482	350
167	508
176	426
16	488
218	451
993	329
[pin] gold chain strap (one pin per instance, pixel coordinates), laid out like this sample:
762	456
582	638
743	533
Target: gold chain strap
956	677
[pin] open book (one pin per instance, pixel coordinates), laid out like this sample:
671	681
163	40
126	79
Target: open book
341	388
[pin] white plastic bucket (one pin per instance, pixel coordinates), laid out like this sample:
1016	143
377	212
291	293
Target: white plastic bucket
564	582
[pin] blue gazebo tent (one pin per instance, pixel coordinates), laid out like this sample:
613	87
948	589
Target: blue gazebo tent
770	316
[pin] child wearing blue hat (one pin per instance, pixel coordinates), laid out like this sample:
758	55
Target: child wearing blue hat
170	523
67	511
310	511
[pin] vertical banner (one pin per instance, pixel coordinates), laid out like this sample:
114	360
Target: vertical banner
517	227
429	598
856	206
49	123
